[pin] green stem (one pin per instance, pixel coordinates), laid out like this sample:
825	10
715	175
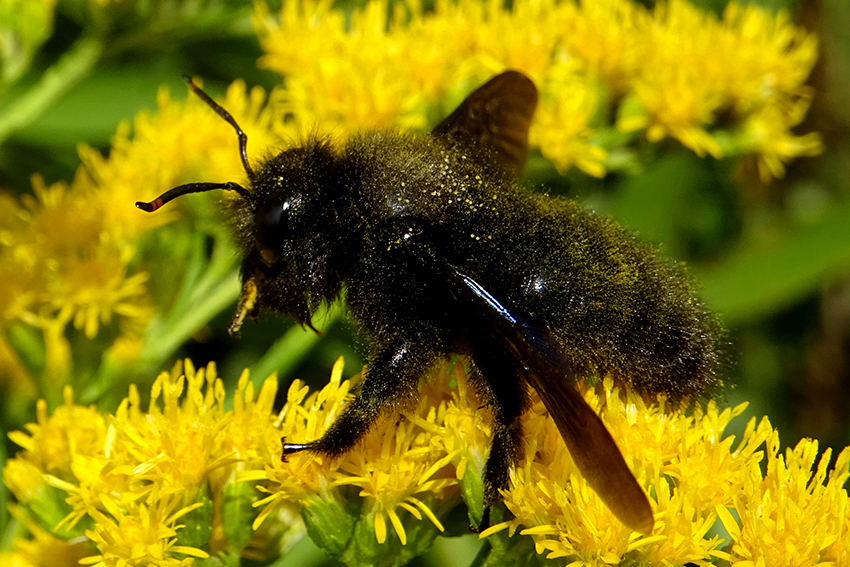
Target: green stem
159	347
71	68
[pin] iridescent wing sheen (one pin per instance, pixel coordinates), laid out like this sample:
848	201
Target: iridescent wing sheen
548	371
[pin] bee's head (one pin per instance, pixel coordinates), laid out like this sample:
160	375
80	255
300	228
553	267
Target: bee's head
289	233
285	224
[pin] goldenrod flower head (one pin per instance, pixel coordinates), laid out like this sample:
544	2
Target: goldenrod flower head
140	536
134	475
175	442
60	266
768	130
797	509
302	420
561	128
672	70
83	275
605	38
168	148
53	442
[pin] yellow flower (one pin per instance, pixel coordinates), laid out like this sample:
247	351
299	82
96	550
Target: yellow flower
335	96
606	38
53	442
60	266
173	145
768	132
561	128
66	251
455	418
300	420
694	477
402	469
82	273
140	536
44	549
774	57
789	512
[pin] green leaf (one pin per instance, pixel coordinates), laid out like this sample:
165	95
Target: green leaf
757	280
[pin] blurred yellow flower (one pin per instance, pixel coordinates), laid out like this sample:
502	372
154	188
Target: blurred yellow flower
674	70
52	443
45	549
59	267
66	251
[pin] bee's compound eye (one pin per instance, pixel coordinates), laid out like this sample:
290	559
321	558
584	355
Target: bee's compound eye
272	220
272	215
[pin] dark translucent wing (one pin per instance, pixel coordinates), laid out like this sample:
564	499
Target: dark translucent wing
495	117
593	449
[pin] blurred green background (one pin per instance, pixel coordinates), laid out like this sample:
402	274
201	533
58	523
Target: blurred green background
773	260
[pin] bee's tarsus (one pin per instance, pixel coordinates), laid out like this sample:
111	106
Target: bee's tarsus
292	448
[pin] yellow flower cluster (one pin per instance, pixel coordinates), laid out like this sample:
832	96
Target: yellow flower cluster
130	477
63	260
668	72
750	64
163	486
697	480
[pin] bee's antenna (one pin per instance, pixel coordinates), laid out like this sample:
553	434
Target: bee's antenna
190	188
201	187
243	139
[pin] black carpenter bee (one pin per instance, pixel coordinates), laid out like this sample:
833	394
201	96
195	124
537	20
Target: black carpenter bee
440	252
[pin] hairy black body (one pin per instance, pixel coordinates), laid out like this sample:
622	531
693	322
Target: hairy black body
440	252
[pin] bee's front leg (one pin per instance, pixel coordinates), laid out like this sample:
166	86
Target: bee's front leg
392	377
